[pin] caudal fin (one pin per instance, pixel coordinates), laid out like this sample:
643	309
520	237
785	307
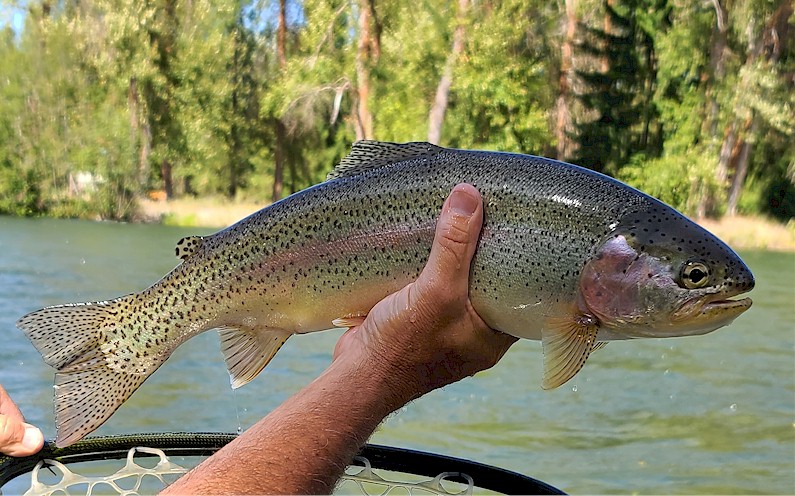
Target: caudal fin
97	369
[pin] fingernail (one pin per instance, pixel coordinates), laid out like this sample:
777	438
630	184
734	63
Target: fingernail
33	437
463	203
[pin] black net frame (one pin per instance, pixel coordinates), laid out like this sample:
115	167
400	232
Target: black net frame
206	443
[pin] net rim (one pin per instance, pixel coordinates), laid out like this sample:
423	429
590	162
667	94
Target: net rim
382	457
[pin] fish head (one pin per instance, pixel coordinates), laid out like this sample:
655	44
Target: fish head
661	275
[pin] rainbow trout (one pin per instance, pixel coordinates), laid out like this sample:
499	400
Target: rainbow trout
567	256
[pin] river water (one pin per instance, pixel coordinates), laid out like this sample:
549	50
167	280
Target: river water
696	415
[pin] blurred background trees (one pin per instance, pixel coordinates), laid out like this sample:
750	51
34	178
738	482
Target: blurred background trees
103	102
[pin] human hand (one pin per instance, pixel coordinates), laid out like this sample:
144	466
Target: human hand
428	335
17	438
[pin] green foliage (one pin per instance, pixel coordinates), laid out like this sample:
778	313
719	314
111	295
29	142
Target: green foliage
414	54
502	93
678	180
771	189
102	102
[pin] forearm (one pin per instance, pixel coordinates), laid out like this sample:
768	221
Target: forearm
305	444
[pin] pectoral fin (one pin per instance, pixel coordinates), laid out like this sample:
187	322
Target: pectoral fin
248	351
567	345
348	322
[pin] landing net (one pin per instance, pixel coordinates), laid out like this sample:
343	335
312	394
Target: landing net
152	461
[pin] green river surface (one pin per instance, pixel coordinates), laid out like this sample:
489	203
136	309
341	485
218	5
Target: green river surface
696	415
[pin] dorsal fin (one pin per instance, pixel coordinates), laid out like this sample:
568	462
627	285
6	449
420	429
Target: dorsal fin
368	155
187	246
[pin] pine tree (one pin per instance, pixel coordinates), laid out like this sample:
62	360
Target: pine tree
618	88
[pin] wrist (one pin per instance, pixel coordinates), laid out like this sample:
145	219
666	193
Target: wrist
383	383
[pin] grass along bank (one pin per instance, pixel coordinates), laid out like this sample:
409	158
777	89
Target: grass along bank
196	212
739	232
753	232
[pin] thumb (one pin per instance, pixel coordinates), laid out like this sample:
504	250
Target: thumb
19	438
456	239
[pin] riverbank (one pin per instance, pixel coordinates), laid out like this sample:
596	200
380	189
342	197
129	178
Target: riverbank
195	212
740	232
753	233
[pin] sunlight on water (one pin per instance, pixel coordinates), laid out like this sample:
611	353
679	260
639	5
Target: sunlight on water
705	414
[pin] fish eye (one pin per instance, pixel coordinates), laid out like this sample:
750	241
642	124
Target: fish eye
694	275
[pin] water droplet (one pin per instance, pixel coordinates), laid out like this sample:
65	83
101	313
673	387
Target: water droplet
239	429
574	388
667	371
83	261
21	363
733	407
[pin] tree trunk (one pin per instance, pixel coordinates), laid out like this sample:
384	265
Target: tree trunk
235	144
278	168
281	35
280	131
649	89
140	133
741	169
375	39
727	151
168	184
364	117
440	101
718	54
608	30
565	146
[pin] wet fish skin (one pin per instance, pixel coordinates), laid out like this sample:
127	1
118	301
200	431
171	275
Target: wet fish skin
554	241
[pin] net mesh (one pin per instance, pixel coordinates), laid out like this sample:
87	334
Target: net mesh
367	481
130	479
70	481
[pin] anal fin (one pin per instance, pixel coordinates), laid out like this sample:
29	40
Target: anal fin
567	344
247	351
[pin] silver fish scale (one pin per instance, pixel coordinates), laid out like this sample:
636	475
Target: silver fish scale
544	220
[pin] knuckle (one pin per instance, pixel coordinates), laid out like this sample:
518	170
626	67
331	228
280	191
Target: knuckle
456	233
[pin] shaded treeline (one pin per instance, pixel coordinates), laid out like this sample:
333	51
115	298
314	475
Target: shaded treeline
106	101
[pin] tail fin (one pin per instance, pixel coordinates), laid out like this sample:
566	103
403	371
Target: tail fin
96	370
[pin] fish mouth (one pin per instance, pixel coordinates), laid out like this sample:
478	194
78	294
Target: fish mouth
740	305
708	312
